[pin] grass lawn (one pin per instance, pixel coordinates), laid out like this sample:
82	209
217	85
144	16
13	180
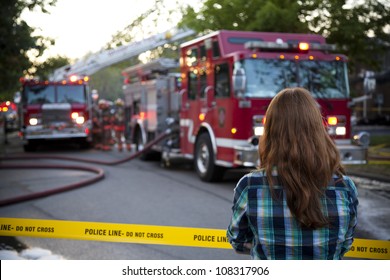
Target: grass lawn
379	147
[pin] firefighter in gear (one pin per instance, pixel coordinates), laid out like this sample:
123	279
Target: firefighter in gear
106	125
97	127
119	125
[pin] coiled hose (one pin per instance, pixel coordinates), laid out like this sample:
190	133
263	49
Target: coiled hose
98	171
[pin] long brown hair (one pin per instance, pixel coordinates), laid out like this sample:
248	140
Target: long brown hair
296	142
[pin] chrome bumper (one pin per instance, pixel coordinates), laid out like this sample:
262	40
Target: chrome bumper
351	154
247	156
43	133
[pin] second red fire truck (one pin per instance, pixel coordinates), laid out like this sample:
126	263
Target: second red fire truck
55	110
219	98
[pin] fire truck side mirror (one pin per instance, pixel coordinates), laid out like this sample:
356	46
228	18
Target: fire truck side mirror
239	80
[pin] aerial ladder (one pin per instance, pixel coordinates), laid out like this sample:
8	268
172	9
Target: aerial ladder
105	58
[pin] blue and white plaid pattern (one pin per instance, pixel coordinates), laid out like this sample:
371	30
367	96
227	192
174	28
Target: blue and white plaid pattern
266	228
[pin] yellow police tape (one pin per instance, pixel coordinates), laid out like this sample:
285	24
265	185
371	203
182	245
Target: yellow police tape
149	234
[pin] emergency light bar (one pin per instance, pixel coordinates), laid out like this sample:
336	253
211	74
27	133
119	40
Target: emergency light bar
282	46
73	79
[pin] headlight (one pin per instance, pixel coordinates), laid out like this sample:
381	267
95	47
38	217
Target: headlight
80	120
33	121
362	139
336	125
259	130
78	117
341	130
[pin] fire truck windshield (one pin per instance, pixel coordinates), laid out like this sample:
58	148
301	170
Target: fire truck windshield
266	77
70	94
42	94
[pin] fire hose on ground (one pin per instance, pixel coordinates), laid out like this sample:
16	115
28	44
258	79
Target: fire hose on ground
98	171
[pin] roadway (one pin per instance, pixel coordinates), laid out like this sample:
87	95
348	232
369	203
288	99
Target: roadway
139	192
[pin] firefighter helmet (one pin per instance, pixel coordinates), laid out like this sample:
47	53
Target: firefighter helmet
119	102
103	104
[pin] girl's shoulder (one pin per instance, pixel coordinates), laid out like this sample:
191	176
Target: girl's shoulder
346	183
256	178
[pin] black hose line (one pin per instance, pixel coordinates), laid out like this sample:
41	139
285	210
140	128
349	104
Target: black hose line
98	171
35	195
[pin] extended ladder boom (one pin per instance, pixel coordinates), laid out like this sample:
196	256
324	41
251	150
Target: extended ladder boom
105	58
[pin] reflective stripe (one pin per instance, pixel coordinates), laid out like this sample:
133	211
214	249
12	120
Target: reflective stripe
190	124
221	142
230	143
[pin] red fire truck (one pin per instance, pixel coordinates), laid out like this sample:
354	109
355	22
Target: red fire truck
227	79
58	110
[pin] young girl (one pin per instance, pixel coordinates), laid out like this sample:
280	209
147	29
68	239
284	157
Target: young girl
299	204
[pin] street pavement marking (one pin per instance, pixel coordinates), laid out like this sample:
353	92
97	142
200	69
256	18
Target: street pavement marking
152	234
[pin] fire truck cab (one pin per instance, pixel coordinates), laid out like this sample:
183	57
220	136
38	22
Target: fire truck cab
58	110
228	79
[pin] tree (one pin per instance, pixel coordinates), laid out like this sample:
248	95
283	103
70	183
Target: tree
17	45
148	24
46	68
108	82
250	15
361	31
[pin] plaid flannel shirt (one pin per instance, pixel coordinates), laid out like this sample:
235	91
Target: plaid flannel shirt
266	228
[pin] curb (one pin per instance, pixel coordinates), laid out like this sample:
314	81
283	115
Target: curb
372	177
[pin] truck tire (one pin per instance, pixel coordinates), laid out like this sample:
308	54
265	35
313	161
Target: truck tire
205	160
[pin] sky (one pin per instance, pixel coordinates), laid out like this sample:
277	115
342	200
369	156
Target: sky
83	26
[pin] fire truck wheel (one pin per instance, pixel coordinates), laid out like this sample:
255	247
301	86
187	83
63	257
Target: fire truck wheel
205	160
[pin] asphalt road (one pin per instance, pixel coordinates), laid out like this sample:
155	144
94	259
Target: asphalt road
138	192
135	192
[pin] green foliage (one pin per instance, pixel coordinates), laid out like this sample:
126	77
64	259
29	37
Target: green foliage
108	82
278	16
146	25
46	68
17	43
376	140
251	15
359	30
